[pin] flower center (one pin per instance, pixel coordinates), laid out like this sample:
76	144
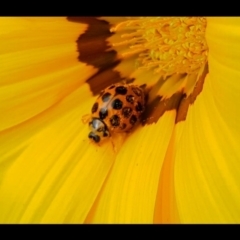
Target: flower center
168	45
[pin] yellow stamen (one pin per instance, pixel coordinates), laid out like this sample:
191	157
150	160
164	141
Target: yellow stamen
166	44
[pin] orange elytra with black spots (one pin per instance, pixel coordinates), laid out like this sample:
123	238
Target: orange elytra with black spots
118	109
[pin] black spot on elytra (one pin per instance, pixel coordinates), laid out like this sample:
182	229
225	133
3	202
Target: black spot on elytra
133	119
139	107
103	113
126	112
117	104
106	96
94	107
123	126
130	98
111	87
137	91
115	120
121	90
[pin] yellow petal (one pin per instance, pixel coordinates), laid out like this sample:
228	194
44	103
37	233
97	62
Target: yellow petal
129	194
47	161
39	65
15	138
207	157
165	206
58	175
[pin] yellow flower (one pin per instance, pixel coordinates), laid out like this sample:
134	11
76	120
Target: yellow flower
181	166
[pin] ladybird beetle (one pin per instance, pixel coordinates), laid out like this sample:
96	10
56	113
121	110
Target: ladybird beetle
118	108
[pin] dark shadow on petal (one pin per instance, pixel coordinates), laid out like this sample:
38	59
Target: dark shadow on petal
159	106
185	102
178	101
94	50
103	79
92	45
